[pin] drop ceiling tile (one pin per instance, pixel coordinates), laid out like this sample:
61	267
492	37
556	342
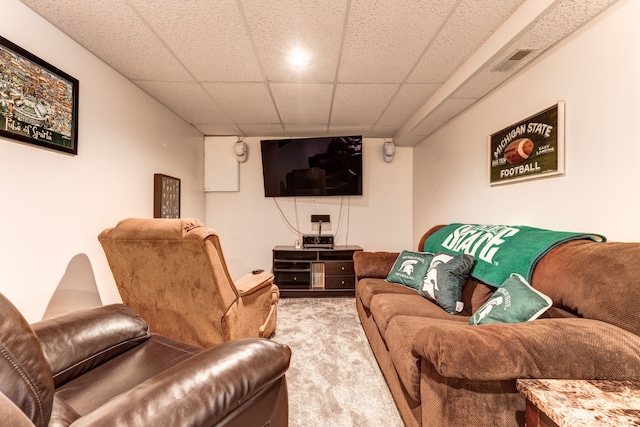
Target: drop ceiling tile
360	103
409	140
467	29
219	51
218	130
262	130
559	22
409	98
306	130
445	112
279	27
132	48
246	41
189	100
244	102
303	103
339	130
384	131
384	39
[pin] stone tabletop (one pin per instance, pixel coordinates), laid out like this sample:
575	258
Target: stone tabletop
585	403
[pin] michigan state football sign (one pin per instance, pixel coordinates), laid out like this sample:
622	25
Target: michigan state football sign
532	148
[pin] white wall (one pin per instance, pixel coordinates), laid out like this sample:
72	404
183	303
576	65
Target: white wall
597	72
250	225
54	205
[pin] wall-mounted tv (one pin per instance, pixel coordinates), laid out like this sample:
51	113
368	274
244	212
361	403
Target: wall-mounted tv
326	166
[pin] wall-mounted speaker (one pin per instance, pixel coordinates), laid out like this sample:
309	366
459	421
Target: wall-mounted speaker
388	150
240	148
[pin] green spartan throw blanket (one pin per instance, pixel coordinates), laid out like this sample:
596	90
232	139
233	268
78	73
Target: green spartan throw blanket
500	250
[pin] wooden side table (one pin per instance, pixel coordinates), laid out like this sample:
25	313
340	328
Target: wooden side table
581	403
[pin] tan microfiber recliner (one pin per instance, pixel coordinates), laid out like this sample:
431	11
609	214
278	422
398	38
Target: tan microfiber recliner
172	272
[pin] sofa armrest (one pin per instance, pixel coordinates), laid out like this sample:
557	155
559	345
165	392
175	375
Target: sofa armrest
376	265
201	390
250	283
77	342
544	348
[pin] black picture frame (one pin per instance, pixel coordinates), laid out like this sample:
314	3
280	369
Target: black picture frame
166	196
38	102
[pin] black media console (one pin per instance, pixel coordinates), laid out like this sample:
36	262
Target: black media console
315	272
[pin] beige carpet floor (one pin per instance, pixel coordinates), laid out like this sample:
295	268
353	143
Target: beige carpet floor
334	379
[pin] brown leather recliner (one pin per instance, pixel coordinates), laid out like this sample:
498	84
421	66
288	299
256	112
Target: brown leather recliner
102	367
172	272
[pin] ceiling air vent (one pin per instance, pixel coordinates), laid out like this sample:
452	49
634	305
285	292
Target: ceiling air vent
512	60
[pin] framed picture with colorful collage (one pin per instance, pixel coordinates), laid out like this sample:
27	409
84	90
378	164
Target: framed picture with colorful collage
38	102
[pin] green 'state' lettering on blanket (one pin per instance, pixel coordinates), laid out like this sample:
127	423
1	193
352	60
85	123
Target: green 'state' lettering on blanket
483	240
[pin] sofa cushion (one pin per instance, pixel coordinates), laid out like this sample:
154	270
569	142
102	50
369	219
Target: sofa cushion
445	280
399	338
373	264
557	313
599	280
572	348
515	301
93	389
474	294
385	307
410	268
367	288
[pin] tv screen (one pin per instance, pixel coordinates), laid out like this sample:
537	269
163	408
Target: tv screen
327	166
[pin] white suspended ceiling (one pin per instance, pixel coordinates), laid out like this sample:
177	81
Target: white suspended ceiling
380	68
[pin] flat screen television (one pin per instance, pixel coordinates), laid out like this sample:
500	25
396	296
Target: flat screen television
325	166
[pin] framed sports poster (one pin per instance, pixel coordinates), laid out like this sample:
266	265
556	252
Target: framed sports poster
38	102
531	148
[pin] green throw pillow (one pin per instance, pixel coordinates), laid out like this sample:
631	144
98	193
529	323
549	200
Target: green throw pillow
410	268
445	280
515	301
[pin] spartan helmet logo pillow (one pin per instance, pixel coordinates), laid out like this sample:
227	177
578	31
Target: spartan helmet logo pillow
409	268
515	301
445	279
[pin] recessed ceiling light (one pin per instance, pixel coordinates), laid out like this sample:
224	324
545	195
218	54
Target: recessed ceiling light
298	59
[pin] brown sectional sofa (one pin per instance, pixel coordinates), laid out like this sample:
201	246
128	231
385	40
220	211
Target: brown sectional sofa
443	372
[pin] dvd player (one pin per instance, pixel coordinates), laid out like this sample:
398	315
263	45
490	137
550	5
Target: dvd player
317	241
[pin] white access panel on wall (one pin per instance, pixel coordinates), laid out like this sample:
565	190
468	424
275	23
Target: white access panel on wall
221	170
